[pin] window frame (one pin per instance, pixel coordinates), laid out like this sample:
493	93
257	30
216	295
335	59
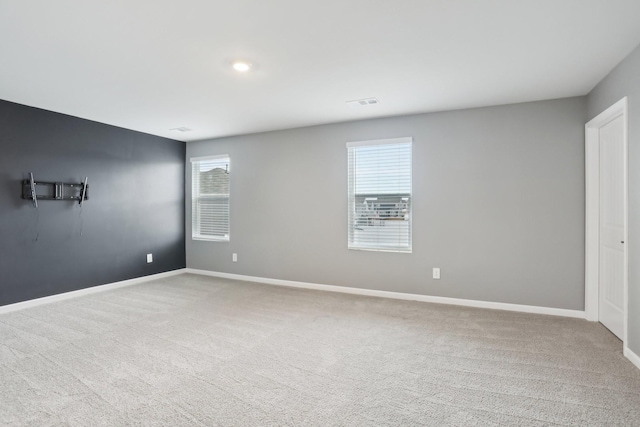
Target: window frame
351	196
196	196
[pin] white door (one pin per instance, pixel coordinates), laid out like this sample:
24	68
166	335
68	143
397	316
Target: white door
611	276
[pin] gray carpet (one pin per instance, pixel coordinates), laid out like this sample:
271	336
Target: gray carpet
191	350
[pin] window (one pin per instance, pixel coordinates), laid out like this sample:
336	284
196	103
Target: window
380	195
210	198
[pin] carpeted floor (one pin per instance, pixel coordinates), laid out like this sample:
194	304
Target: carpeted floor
192	350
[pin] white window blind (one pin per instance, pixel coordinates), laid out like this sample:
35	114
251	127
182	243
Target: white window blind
380	195
210	177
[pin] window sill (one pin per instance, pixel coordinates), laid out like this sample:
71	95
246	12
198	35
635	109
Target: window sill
210	239
396	250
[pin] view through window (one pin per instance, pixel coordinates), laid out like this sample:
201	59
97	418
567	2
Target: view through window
380	194
210	197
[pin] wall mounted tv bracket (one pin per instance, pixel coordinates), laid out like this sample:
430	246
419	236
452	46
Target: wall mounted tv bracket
32	190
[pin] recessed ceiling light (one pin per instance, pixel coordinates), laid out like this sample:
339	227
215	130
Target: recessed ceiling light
241	66
181	129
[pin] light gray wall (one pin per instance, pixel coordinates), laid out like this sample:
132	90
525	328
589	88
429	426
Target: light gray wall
498	205
623	81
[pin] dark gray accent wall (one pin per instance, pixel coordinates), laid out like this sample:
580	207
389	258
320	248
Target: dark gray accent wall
498	205
623	81
136	204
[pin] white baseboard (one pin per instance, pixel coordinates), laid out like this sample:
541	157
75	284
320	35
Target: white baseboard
629	354
398	295
92	290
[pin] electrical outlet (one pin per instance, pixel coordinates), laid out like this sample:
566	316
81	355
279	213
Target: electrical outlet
149	258
436	272
234	257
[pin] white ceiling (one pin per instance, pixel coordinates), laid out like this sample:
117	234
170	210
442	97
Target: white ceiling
153	65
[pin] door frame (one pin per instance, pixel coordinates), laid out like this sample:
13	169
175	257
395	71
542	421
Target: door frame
592	213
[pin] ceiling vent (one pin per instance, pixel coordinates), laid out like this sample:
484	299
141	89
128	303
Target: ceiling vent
181	129
363	102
